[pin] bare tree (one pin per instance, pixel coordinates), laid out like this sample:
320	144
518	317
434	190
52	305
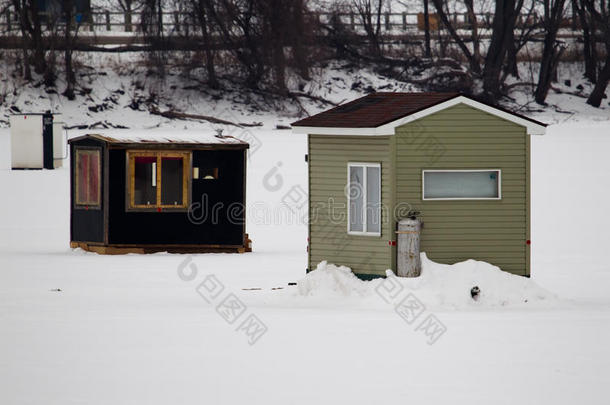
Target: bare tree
71	29
427	48
587	24
502	50
551	52
472	61
32	35
274	15
474	27
129	7
202	17
240	32
257	34
20	8
369	12
523	33
502	38
601	15
298	36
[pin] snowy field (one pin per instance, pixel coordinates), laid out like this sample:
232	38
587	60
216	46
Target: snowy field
130	330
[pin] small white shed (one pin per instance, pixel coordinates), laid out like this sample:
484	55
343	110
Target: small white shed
37	141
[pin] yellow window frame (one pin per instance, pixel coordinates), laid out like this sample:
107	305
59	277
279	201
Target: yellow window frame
159	155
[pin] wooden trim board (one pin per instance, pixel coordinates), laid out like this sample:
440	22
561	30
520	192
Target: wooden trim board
119	249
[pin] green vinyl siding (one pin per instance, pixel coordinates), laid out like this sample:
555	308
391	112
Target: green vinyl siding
328	237
457	138
460	138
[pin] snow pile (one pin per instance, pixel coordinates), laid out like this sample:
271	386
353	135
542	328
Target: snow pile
330	280
449	286
440	286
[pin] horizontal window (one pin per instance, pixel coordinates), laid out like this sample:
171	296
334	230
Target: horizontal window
158	180
87	184
461	185
364	195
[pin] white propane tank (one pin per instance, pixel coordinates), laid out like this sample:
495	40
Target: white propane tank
408	260
60	146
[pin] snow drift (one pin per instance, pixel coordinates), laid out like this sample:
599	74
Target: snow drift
440	286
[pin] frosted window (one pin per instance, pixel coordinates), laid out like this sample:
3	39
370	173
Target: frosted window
373	200
462	184
87	185
364	198
356	198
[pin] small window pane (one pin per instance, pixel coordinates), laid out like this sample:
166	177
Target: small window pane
476	184
94	178
145	181
356	199
82	163
373	199
171	184
87	177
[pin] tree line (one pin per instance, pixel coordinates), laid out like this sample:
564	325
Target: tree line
261	42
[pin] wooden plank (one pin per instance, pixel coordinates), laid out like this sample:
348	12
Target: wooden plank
117	249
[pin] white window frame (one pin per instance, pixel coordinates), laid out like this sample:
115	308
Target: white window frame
364	165
423	179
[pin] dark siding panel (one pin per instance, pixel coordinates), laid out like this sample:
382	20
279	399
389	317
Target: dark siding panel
86	225
175	227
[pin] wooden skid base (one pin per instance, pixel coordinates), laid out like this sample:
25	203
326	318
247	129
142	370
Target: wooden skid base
143	249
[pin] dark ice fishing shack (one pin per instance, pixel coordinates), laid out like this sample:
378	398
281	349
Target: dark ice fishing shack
181	191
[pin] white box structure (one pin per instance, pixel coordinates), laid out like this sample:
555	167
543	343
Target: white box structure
36	142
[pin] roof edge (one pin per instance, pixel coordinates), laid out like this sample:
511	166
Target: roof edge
112	141
533	126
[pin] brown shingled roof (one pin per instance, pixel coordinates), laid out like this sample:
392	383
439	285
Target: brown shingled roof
377	109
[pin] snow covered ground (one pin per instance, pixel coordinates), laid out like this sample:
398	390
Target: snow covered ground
131	330
119	90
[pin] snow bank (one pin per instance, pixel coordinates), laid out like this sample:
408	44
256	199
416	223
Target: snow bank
329	280
440	286
449	285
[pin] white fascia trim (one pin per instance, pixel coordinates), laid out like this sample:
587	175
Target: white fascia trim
342	131
388	129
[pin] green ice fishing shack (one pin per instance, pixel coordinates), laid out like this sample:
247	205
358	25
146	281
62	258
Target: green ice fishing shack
463	164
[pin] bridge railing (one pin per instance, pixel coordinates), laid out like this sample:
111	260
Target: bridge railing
174	23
